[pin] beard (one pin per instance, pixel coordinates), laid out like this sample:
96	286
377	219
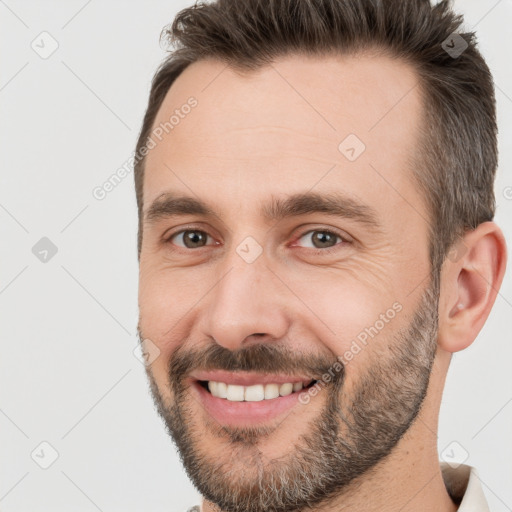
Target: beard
354	431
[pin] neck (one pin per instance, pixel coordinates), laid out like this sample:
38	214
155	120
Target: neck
408	480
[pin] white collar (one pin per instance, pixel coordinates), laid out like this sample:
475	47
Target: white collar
464	487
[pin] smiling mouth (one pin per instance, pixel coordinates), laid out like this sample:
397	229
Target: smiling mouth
255	392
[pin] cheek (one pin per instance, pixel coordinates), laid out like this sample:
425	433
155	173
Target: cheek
166	303
349	316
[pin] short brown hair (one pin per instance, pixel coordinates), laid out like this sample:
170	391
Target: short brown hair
457	158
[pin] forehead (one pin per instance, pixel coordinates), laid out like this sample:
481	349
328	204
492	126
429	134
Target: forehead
297	123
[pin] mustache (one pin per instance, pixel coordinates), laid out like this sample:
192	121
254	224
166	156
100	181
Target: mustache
261	358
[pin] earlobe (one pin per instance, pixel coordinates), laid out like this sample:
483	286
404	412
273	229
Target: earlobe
469	286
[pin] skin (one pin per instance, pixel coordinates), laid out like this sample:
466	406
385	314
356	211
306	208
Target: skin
275	132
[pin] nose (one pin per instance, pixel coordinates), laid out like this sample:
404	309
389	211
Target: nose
247	304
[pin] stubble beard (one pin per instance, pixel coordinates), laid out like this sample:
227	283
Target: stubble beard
348	438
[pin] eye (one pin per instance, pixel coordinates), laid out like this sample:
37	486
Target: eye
190	238
320	239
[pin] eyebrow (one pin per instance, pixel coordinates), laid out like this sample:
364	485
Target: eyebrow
334	204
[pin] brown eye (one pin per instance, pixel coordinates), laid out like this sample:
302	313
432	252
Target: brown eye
190	239
320	239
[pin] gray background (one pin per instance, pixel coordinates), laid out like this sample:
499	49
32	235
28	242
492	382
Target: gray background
69	376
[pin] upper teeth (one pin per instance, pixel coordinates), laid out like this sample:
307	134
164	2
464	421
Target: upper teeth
255	393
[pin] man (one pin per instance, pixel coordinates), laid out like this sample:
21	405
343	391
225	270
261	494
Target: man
315	192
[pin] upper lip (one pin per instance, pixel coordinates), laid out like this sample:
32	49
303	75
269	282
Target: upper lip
247	378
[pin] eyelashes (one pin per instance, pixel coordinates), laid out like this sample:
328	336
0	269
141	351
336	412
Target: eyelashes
187	238
331	235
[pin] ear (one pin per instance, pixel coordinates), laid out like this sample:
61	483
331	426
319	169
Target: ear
471	277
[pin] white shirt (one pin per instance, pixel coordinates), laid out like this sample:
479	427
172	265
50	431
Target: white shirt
462	484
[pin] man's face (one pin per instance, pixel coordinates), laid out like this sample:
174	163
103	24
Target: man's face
309	259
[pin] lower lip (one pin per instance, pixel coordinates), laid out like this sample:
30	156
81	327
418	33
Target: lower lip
231	413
